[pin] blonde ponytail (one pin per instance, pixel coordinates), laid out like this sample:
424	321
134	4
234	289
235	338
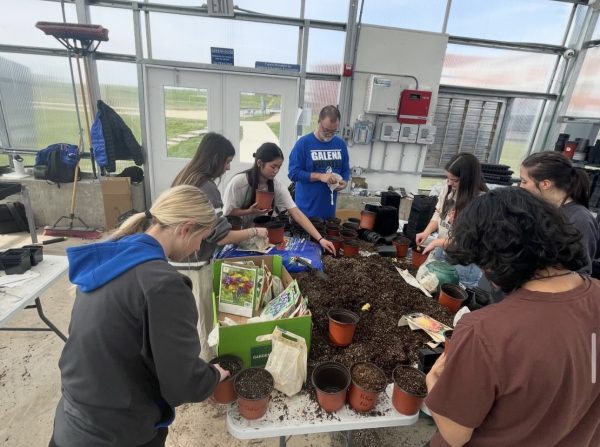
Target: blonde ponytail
174	207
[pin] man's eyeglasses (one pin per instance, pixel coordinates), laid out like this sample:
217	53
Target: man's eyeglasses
326	131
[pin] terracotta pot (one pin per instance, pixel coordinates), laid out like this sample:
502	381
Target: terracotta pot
264	199
342	324
447	336
361	399
333	230
350	248
452	297
367	219
403	401
348	234
333	221
275	231
336	241
256	407
224	392
331	381
350	226
401	243
235	222
418	258
261	221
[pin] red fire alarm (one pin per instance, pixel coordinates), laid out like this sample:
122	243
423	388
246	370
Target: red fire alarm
347	70
414	107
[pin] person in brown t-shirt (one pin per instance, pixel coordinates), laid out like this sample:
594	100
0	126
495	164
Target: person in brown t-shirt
521	372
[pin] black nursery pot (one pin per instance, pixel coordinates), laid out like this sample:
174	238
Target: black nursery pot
36	253
16	261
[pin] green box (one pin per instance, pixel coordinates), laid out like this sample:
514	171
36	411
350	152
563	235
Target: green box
241	340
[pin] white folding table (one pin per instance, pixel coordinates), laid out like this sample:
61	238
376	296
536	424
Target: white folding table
27	295
299	415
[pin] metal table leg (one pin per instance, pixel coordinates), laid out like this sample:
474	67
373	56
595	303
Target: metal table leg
29	214
43	317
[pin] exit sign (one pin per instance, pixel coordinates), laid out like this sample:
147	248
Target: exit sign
220	8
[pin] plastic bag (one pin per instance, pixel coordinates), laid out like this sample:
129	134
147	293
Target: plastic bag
426	277
287	361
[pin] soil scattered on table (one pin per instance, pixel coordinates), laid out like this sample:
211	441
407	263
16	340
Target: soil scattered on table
378	339
254	383
411	381
368	377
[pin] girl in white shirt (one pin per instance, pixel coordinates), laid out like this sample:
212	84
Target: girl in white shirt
240	193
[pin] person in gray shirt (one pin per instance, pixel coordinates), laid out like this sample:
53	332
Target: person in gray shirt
209	163
552	176
133	352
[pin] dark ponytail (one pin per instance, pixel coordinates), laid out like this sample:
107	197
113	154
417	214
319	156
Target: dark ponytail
266	153
556	167
467	169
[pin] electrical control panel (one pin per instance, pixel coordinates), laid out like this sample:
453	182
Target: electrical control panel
414	106
408	133
390	132
426	134
383	93
363	132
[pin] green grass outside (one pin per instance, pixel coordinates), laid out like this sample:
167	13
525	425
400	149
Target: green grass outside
255	118
513	153
185	149
178	126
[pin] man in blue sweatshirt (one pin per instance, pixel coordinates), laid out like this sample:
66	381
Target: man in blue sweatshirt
317	161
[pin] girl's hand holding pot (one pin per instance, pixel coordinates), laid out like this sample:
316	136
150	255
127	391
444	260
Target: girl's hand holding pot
327	245
254	209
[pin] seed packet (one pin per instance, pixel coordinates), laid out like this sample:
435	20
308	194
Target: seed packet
434	328
238	290
283	305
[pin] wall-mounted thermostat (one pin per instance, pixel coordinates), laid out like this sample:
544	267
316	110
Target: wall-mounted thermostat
390	132
426	134
408	133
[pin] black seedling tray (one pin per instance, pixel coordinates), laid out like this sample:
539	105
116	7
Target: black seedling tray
36	253
16	261
8	189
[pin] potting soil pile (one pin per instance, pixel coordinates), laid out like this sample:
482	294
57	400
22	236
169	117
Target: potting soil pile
354	282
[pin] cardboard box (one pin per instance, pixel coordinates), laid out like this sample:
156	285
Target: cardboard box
241	340
116	193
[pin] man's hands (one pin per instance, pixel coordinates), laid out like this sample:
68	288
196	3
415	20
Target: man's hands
341	185
329	178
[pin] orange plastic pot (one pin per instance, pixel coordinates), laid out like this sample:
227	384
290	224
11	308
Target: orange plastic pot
350	226
367	219
333	230
264	199
333	221
447	337
350	248
403	401
418	258
361	399
275	231
401	243
331	381
224	392
253	407
348	234
452	297
336	241
342	324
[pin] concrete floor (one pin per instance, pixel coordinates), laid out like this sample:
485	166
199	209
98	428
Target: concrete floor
30	385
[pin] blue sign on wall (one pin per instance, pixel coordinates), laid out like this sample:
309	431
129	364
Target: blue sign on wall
276	66
221	56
